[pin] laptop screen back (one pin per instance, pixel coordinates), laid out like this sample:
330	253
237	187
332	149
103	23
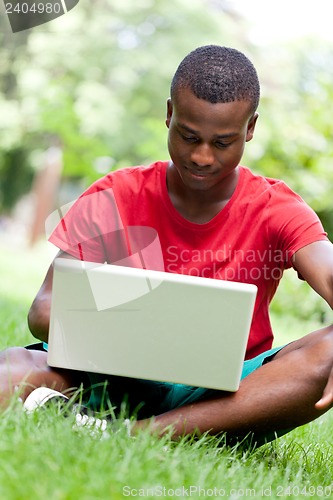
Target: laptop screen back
149	324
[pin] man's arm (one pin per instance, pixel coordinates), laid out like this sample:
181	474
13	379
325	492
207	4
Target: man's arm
39	313
315	264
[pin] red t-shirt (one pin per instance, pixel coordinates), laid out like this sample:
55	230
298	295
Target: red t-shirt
127	218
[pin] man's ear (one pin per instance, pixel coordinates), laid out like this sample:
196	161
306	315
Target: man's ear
169	112
251	126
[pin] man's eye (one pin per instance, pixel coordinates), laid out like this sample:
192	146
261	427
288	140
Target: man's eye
188	138
222	144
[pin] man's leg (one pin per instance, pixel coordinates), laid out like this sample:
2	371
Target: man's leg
23	370
278	396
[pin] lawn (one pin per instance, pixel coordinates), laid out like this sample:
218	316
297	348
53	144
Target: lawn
43	457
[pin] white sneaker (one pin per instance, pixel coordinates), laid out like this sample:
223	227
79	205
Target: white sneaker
84	417
40	396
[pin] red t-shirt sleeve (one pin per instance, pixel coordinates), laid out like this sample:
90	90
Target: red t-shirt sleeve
91	222
292	222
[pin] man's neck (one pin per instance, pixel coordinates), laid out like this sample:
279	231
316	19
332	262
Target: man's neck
199	206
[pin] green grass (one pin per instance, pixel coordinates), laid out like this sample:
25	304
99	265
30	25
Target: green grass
43	457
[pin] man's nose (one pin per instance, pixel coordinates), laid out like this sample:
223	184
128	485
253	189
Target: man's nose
202	155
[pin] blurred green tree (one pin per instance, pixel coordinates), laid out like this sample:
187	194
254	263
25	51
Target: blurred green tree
96	81
294	142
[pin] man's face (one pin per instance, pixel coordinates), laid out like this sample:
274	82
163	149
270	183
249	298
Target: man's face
206	141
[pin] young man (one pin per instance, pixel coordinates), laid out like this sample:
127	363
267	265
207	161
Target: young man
214	218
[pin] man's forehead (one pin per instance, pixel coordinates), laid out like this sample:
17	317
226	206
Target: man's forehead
185	96
186	102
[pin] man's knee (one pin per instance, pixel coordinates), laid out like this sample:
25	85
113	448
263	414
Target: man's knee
16	367
321	342
24	370
312	355
325	345
19	358
317	354
323	336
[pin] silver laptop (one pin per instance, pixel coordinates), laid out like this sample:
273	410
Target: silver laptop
149	324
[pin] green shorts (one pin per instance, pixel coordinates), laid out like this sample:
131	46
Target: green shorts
144	398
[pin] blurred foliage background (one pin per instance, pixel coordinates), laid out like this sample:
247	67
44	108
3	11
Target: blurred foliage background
94	83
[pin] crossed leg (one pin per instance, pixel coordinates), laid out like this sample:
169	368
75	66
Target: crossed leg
280	395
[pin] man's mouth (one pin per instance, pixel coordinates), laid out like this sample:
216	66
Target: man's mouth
198	173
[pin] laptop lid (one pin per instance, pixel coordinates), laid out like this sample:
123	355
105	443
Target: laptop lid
149	324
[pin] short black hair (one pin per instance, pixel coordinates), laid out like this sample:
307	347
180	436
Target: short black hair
218	74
